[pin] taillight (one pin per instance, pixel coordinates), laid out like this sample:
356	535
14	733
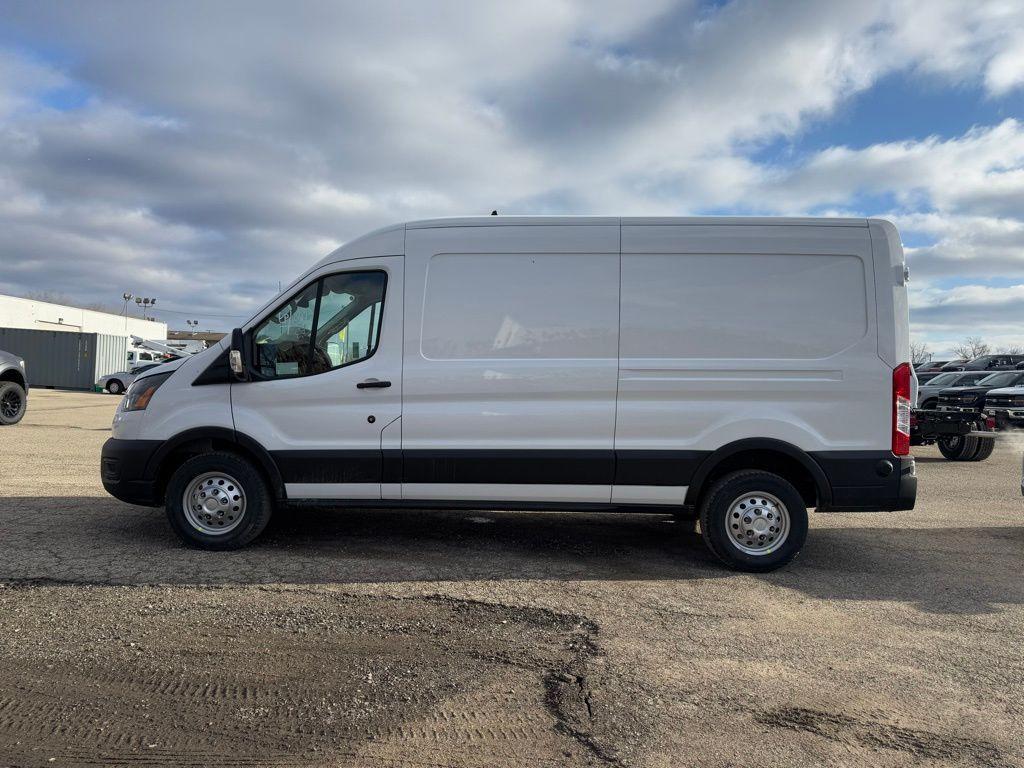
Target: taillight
901	410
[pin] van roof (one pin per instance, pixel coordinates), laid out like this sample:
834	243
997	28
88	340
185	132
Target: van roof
497	221
398	230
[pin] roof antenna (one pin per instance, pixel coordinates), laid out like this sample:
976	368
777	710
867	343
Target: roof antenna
494	213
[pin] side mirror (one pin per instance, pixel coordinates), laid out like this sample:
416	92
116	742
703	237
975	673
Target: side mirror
237	358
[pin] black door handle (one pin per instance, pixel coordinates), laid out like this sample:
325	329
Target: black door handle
373	384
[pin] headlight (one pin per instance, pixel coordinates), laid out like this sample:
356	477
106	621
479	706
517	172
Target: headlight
142	390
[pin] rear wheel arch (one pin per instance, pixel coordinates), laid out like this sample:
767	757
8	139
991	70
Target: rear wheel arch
768	455
196	442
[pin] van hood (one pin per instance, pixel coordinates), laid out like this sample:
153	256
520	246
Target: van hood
167	367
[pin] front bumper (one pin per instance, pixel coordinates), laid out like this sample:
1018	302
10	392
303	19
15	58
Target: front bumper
1008	417
868	481
123	469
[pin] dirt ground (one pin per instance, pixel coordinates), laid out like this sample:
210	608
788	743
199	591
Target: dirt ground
401	638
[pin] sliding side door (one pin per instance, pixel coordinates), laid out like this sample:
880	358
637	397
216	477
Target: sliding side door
510	362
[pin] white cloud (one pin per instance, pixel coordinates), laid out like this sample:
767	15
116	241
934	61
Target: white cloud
1006	70
224	135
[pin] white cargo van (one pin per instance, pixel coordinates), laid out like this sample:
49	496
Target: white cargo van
742	370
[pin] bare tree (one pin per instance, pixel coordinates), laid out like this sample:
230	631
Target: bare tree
59	298
50	297
1011	349
99	306
971	347
919	352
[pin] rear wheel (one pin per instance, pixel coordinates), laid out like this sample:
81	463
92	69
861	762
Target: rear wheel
928	405
12	402
218	501
958	447
985	448
115	387
753	520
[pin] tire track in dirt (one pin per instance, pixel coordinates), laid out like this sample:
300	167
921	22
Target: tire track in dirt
919	744
267	676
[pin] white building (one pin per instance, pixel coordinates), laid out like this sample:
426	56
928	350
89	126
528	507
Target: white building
44	316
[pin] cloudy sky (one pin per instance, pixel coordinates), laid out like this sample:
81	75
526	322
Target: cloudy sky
201	152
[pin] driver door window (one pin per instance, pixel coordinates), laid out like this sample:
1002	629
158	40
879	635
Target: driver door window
345	310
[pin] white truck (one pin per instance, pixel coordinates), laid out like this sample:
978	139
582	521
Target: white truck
739	369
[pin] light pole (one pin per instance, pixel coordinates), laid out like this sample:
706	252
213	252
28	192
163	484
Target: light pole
193	326
127	297
145	303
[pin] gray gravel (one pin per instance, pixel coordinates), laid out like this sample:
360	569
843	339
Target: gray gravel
381	637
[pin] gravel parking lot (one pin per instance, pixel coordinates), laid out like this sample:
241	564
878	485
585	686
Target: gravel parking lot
379	638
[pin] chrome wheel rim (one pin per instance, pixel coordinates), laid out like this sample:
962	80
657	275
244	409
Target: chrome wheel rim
214	503
758	523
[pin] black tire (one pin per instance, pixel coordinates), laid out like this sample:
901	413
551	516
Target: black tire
958	447
115	387
12	402
985	448
714	519
255	515
929	404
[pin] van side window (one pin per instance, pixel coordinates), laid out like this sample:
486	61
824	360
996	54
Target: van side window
348	320
506	306
345	310
687	305
282	340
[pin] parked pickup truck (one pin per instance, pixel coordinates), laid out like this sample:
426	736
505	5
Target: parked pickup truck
928	391
973	398
961	435
1006	406
13	388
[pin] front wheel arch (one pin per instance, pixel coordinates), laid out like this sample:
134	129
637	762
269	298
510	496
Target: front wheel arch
194	442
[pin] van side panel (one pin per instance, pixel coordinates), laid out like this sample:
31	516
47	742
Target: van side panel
511	345
737	332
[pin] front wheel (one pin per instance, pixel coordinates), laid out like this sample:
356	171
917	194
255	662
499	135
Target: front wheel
218	501
115	387
753	520
12	402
